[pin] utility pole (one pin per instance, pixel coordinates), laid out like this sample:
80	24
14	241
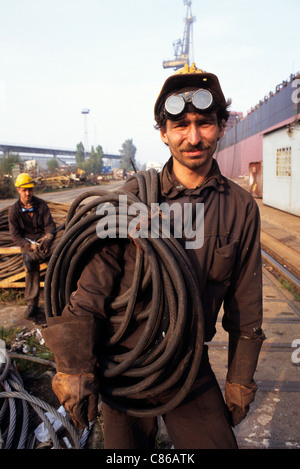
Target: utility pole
85	112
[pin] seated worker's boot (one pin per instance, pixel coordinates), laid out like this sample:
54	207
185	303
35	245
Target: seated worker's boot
31	311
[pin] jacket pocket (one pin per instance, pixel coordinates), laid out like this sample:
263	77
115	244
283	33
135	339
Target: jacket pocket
223	263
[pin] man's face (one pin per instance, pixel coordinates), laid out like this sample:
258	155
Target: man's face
25	195
193	139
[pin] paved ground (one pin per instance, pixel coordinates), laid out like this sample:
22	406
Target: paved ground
66	196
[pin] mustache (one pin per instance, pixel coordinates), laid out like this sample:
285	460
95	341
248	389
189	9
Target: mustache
199	147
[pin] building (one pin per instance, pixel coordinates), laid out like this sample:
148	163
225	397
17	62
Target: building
281	169
264	146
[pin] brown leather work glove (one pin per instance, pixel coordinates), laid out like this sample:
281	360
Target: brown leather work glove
238	399
79	395
30	246
45	242
34	247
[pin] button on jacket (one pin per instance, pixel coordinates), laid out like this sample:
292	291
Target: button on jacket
227	266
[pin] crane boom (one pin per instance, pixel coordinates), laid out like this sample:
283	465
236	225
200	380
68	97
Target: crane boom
182	47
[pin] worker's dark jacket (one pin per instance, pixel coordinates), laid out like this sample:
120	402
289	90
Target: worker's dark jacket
228	268
22	225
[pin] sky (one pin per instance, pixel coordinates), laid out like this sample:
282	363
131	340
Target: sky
58	57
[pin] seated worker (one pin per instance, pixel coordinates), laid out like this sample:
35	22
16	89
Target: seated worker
31	227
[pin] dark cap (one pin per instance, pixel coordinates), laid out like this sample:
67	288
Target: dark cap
185	77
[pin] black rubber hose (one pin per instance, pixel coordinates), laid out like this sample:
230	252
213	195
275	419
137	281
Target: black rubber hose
168	353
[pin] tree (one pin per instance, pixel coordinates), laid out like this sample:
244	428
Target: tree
80	155
94	163
128	152
99	151
52	164
7	163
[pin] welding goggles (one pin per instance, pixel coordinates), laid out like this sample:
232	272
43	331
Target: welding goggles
201	99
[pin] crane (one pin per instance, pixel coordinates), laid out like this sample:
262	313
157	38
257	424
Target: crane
182	46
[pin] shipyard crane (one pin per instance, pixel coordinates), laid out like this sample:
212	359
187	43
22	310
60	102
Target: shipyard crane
182	46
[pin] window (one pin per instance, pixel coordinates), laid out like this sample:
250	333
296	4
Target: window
284	161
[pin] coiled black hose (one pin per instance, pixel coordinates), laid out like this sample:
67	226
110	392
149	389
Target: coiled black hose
168	353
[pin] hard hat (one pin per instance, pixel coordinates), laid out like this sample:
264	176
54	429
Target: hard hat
25	181
185	77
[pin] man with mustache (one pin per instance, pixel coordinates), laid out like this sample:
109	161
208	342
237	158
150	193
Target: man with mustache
190	112
32	228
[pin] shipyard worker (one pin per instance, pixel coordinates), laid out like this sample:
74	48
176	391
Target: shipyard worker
190	112
31	227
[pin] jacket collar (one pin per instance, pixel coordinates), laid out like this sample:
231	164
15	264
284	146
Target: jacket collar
171	187
34	202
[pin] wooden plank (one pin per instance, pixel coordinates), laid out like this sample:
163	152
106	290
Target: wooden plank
3	284
12	281
6	284
15	277
10	250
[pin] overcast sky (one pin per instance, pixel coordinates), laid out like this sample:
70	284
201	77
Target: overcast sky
58	57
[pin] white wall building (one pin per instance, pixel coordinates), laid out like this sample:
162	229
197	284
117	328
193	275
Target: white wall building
153	164
281	169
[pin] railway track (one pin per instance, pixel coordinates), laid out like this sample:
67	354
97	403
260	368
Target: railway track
282	269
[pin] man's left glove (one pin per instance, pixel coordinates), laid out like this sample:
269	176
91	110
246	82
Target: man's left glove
79	395
238	399
46	242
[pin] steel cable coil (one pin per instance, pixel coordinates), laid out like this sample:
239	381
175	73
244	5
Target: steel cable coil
14	412
168	353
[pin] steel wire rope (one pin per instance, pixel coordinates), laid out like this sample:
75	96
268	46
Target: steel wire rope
12	421
152	365
15	434
38	403
14	375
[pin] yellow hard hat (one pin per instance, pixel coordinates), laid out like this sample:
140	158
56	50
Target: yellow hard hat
25	181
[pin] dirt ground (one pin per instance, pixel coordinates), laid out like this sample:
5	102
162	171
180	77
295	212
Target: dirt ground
12	315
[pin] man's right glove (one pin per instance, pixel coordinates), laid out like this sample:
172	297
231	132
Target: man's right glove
46	242
79	395
30	246
238	399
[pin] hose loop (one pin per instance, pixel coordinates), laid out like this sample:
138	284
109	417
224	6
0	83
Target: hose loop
168	353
